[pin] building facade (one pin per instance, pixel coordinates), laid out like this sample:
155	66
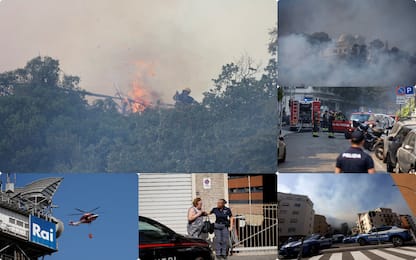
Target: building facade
320	226
295	215
377	218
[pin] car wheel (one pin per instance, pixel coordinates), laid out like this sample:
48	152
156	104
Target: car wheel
397	241
378	150
314	250
362	242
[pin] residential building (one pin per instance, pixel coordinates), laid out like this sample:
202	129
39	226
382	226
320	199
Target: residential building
320	226
376	218
295	215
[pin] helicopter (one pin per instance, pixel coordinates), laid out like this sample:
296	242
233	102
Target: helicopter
87	217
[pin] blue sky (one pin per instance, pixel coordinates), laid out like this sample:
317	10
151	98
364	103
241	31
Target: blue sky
114	232
340	197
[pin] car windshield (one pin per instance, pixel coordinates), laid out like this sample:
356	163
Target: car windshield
360	117
314	236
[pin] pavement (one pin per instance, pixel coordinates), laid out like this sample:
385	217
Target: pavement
307	154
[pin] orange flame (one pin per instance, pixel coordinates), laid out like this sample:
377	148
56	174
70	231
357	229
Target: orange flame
140	96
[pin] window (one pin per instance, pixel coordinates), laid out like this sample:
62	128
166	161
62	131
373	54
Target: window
297	205
293	220
295	212
12	221
281	220
19	223
283	211
285	204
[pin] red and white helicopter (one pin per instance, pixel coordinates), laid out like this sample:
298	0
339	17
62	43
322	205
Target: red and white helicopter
87	217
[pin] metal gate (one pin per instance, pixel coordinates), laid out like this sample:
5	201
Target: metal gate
256	232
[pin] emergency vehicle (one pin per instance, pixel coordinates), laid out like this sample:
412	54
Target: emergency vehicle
302	113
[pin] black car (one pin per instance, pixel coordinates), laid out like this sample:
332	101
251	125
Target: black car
394	140
406	154
157	241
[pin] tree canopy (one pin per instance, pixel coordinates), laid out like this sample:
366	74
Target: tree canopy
49	126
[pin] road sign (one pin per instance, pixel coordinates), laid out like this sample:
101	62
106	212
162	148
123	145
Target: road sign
401	100
410	90
405	90
207	183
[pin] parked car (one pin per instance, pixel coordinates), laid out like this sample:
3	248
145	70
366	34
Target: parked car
311	246
349	239
385	234
281	150
337	238
394	140
156	241
406	154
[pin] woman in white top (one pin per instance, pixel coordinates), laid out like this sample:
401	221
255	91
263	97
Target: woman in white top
195	218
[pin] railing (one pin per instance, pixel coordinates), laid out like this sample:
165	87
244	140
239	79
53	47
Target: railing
256	230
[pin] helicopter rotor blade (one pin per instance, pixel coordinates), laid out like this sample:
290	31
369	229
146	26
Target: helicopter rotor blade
80	210
94	209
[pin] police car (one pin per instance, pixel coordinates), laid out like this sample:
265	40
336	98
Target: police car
311	246
385	234
157	241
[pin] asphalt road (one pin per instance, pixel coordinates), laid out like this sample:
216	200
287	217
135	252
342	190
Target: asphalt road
369	252
390	253
307	154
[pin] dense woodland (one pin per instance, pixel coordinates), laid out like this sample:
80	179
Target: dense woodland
47	125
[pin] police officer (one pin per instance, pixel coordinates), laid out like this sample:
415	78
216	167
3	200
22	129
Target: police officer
355	160
222	227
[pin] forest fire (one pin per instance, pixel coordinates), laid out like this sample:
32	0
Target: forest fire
140	96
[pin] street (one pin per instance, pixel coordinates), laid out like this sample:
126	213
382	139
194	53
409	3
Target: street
398	253
307	154
370	252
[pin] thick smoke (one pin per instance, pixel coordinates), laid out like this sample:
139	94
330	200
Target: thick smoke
389	21
346	61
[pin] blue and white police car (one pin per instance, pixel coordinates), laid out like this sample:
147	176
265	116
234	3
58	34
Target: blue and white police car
385	234
311	246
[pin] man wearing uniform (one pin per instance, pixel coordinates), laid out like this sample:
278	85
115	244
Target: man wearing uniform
355	160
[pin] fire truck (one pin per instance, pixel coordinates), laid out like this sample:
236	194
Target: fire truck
303	113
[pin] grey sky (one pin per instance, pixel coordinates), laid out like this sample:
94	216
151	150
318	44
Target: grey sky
185	41
394	21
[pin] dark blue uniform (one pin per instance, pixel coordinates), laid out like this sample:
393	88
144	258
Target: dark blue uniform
222	235
354	160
